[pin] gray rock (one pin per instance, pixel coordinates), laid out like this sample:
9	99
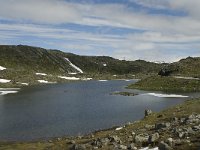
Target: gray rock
72	142
181	134
162	125
141	138
196	128
97	143
147	112
122	147
132	146
175	120
149	126
189	131
115	139
153	138
105	141
164	146
170	142
78	147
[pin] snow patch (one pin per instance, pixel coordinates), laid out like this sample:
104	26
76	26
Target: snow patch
68	78
42	74
2	68
103	80
86	79
117	129
4	91
7	92
44	81
74	66
187	78
104	65
166	95
147	148
22	83
72	73
114	75
127	80
4	81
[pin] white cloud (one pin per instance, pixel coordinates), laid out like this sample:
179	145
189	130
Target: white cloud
180	34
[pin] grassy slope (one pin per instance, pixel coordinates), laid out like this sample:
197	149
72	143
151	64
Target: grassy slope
159	83
188	67
22	62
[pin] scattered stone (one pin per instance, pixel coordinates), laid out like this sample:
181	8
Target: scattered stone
72	142
149	126
147	112
132	146
115	139
132	133
170	142
78	147
196	128
122	147
162	125
175	120
59	139
181	134
153	138
50	141
141	138
164	146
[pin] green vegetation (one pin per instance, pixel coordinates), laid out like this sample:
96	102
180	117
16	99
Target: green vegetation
22	62
124	93
158	83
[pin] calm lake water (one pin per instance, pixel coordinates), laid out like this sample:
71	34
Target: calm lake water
73	109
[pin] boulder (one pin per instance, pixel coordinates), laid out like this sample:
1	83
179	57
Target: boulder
147	112
164	146
170	142
153	138
141	138
115	138
122	147
162	125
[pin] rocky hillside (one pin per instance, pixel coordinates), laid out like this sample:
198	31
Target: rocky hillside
53	61
185	67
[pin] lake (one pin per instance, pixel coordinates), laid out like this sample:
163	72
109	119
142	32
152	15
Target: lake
70	109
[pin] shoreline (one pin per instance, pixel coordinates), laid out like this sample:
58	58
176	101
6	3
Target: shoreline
185	109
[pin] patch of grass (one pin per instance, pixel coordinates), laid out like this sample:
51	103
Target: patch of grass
158	83
124	93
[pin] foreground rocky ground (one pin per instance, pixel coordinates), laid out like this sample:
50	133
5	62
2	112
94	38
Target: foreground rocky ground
176	128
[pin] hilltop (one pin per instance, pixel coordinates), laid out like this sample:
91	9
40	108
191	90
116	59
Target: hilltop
181	76
26	64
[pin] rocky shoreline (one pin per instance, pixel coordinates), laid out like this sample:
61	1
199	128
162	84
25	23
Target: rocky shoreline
174	128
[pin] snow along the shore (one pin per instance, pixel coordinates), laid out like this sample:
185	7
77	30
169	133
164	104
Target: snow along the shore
42	74
2	68
44	81
166	95
74	66
187	78
68	78
4	81
4	91
7	92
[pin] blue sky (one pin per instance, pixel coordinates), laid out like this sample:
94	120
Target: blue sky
153	30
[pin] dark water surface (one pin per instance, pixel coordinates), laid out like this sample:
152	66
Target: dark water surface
72	109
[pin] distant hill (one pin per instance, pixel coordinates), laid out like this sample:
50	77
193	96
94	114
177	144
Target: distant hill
34	59
189	66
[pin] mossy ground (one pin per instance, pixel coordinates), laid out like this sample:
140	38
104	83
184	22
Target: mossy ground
159	83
